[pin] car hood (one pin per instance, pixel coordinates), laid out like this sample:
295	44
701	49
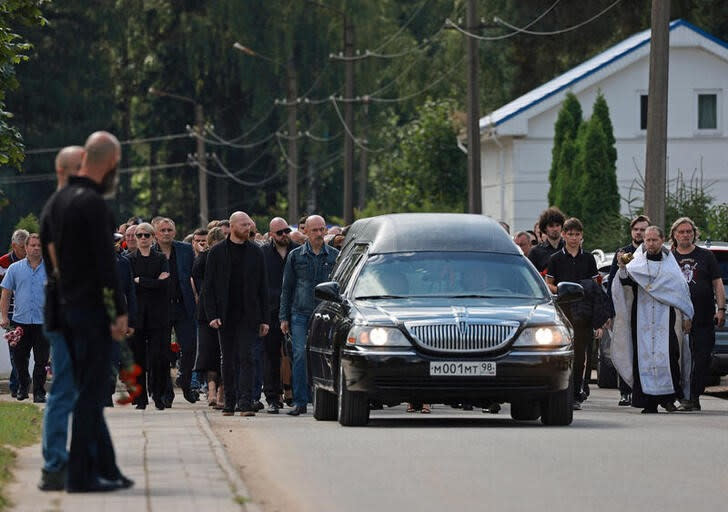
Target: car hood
401	311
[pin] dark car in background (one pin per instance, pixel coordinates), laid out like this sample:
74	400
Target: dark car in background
438	308
719	361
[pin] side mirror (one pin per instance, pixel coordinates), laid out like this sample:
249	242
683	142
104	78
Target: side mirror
567	292
328	291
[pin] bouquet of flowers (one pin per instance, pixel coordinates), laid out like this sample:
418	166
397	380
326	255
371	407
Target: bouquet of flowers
14	336
173	345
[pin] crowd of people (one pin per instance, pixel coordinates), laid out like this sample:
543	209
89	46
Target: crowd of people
661	306
229	308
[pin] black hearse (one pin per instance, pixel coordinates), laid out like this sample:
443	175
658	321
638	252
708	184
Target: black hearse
438	308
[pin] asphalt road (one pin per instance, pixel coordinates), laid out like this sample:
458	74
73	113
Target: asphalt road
611	458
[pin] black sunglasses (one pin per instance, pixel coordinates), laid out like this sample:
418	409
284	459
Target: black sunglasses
281	232
143	235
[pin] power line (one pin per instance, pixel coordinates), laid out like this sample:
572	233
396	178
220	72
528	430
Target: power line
356	141
251	130
222	142
230	175
123	143
32	178
503	36
561	31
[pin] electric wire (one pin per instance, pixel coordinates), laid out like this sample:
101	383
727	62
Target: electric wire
123	143
503	36
32	178
403	27
561	31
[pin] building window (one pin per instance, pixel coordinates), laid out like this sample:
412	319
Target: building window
643	112
707	111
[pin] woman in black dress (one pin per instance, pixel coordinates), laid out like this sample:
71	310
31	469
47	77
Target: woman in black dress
208	346
149	344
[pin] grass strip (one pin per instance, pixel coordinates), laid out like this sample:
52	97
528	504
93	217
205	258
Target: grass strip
20	425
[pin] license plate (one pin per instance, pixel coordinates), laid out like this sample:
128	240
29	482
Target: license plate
462	369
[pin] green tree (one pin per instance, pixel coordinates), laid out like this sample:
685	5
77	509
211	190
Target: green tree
600	111
13	50
566	127
29	223
424	171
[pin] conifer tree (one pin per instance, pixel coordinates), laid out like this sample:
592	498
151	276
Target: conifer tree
567	126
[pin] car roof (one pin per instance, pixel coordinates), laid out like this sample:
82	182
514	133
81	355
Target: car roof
413	232
713	246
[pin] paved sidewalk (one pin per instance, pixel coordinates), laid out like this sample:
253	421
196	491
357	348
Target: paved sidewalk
173	457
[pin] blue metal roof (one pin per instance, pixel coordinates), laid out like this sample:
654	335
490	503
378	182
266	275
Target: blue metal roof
582	71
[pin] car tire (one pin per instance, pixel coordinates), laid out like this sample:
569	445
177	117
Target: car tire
557	408
353	410
525	411
324	405
606	374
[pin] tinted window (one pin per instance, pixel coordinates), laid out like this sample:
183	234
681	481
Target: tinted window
347	266
449	274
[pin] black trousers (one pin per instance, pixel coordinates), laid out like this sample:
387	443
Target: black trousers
236	349
702	341
149	346
32	339
582	338
185	329
272	344
92	452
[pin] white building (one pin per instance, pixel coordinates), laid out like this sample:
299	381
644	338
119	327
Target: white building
516	139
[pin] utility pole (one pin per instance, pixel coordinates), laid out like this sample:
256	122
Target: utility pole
363	169
201	176
656	159
349	120
292	143
474	184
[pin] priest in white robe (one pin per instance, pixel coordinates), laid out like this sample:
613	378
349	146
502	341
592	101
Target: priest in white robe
653	311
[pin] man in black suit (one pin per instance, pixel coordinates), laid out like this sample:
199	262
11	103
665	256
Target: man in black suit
181	304
236	301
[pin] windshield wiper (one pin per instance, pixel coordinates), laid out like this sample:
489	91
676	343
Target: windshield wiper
367	297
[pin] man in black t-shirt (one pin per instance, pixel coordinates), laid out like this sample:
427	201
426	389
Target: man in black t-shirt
572	264
702	273
550	222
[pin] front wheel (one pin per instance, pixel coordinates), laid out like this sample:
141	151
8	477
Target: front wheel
324	405
557	408
353	406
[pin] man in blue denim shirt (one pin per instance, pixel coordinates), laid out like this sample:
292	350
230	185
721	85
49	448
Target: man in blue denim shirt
307	266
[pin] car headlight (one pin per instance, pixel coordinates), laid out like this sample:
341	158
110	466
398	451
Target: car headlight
545	336
377	337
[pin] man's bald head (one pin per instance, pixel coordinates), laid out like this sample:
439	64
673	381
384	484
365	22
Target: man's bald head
240	225
68	163
315	230
101	147
101	157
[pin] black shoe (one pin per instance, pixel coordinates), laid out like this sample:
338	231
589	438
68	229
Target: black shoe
668	406
258	406
274	407
40	399
288	402
582	396
228	412
52	480
649	410
22	395
159	404
167	402
14	393
625	400
125	482
247	413
492	408
141	407
99	485
297	410
467	407
190	395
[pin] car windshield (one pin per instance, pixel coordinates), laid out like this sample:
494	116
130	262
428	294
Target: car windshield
449	274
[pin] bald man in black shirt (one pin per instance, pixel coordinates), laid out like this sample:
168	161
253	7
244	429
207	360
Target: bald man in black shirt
77	239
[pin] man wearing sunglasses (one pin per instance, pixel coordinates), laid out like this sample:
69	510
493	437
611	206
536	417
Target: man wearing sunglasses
276	253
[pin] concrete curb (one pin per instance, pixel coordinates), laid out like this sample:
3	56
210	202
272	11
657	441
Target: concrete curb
236	483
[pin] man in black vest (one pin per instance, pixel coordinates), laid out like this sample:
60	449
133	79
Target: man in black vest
236	301
550	222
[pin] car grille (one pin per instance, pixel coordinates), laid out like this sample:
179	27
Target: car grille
463	337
